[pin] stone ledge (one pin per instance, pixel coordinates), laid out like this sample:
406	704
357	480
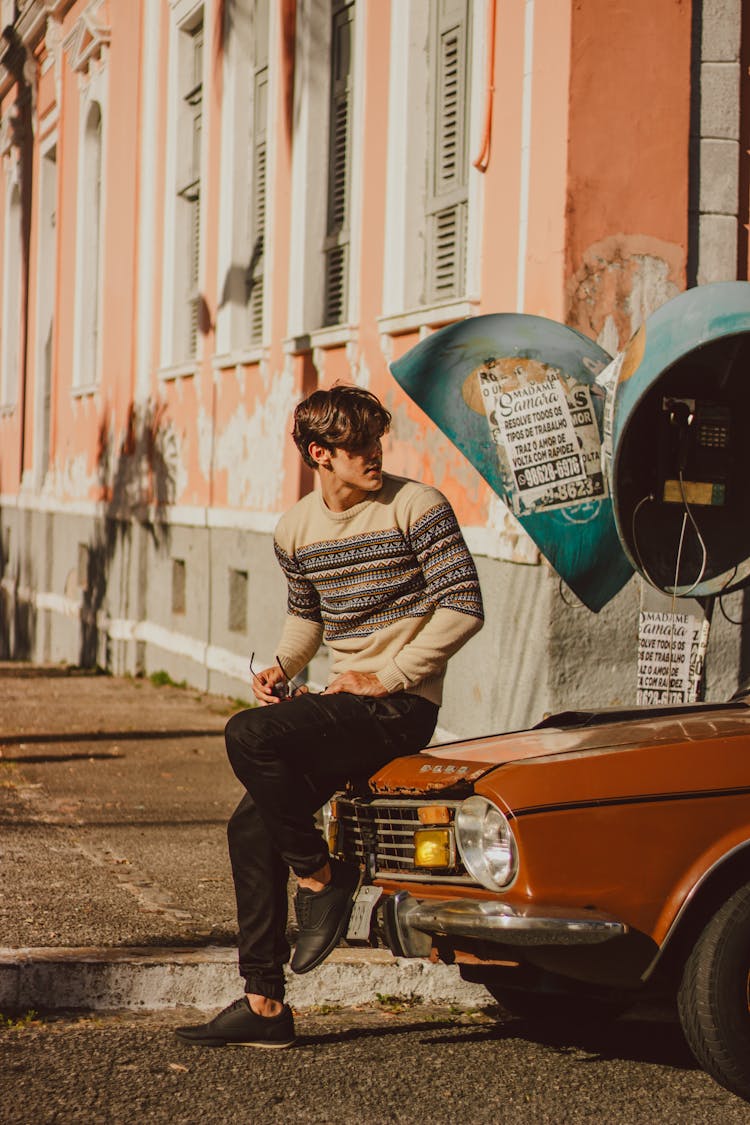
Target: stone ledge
152	979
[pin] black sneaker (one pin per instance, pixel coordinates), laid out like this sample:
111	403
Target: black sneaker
323	916
240	1025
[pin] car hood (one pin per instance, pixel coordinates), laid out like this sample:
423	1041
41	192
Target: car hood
456	766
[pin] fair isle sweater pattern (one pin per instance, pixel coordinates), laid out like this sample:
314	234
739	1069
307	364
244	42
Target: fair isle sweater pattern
361	583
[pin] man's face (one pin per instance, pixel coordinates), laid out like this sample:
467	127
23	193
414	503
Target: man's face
359	469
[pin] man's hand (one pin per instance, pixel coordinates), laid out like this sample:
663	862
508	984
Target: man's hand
265	682
356	683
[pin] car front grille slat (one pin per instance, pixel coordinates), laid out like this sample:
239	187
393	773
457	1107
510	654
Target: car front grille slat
380	835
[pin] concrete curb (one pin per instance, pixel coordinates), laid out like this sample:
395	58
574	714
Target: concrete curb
206	978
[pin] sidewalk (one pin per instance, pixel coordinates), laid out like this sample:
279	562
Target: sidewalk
115	889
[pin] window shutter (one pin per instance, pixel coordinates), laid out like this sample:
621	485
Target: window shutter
450	84
255	280
257	224
447	237
336	248
447	196
194	296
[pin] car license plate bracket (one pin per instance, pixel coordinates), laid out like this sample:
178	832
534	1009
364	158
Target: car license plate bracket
361	916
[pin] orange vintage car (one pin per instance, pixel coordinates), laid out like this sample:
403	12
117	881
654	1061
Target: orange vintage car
592	861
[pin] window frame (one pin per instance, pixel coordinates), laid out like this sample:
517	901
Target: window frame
406	304
447	186
247	169
337	240
90	259
184	199
310	164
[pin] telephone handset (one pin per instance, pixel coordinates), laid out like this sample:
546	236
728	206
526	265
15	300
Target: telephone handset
695	452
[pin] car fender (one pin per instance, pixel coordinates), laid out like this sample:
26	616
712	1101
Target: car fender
707	883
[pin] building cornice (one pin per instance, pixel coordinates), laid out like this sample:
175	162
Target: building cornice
30	27
27	30
90	33
32	20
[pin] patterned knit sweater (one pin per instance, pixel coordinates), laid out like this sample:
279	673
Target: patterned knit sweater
389	584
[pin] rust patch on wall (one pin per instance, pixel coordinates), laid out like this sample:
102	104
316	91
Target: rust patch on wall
621	280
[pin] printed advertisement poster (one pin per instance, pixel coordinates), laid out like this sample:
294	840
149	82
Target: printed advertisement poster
545	429
671	651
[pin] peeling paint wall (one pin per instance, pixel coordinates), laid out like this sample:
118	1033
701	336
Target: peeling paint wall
250	447
620	281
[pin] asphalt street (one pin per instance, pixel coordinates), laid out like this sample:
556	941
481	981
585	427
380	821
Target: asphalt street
114	796
383	1063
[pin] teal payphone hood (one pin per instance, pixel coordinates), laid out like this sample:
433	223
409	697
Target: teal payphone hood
575	442
480	381
692	356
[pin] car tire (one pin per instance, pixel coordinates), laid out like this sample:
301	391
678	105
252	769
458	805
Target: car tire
714	995
556	1010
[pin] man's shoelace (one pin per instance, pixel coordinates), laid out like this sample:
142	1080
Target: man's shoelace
237	1004
304	907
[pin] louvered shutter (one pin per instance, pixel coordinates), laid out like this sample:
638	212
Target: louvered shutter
193	294
257	223
447	195
336	247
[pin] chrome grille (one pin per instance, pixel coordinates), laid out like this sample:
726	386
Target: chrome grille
380	834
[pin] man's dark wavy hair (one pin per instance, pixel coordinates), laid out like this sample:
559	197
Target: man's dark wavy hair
345	417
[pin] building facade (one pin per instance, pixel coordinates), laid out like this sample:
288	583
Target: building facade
208	208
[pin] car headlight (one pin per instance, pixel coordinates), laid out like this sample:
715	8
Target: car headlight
486	843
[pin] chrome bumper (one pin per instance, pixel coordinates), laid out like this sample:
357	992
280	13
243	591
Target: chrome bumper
411	924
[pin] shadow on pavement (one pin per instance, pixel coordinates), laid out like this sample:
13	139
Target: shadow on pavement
45	759
105	736
130	822
654	1041
352	1034
45	671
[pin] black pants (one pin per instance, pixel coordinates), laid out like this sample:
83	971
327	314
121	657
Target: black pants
291	756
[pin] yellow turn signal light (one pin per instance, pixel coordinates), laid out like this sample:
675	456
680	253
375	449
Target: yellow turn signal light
434	848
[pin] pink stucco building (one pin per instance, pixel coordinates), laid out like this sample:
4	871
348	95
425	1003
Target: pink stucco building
210	207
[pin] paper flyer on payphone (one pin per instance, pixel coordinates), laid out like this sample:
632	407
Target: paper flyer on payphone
544	426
